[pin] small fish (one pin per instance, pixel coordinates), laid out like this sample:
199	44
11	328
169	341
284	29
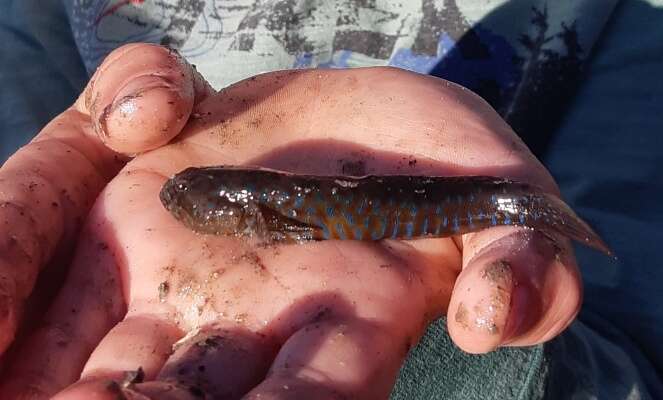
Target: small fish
280	206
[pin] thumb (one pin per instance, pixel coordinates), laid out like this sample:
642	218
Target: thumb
141	97
517	288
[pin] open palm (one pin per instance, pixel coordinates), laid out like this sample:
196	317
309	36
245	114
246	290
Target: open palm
152	309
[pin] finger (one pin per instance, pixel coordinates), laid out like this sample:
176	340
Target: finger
90	303
134	351
138	342
106	389
222	361
127	388
48	187
217	361
517	288
50	184
335	359
141	97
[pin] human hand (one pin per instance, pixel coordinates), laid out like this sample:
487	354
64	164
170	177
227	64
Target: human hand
320	320
49	185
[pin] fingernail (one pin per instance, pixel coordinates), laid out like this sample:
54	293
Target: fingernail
146	113
124	101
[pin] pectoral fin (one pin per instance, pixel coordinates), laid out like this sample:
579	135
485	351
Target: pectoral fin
286	229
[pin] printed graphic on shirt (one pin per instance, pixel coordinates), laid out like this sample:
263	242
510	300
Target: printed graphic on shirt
524	57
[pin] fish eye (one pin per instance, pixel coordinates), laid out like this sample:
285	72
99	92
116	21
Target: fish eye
182	187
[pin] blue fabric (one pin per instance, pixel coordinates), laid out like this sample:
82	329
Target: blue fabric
40	70
608	159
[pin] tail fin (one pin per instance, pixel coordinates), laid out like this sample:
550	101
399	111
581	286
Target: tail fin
563	220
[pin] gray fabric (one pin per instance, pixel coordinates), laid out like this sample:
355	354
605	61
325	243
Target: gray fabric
524	57
437	369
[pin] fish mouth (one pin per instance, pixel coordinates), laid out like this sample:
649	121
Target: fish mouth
174	201
166	195
171	199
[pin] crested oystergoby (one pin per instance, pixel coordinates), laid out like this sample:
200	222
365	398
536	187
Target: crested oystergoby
281	206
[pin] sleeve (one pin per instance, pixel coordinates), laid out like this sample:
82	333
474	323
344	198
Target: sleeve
607	158
40	69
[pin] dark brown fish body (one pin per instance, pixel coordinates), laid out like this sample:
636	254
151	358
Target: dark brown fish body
283	206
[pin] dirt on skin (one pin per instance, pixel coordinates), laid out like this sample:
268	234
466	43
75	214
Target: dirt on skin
499	275
462	316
